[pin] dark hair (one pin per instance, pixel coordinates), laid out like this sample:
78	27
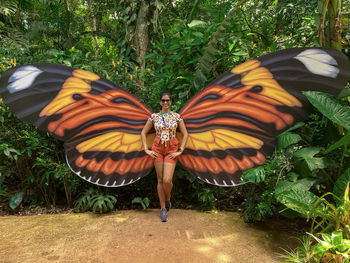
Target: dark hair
165	94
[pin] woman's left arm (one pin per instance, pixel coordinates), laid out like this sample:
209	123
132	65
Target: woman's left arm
184	132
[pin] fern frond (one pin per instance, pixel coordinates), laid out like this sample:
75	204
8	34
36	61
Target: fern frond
206	62
8	7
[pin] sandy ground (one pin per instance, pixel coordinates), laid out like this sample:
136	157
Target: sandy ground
139	236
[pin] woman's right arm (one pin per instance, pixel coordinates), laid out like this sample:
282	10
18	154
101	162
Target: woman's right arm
145	130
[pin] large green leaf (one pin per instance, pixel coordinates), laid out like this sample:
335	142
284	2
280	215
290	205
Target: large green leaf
286	139
299	200
342	142
197	23
304	184
255	175
15	200
330	106
319	163
307	152
295	126
340	185
345	92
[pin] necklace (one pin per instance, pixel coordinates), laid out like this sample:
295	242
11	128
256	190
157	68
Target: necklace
166	119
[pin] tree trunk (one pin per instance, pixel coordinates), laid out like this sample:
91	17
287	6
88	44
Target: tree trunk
333	9
335	28
67	42
142	33
93	26
323	21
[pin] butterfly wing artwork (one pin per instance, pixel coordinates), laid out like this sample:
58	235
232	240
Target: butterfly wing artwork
99	122
234	121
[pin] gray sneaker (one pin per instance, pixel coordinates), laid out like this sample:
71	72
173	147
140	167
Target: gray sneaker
167	205
163	215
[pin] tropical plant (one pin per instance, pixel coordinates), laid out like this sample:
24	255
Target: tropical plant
326	218
325	248
96	201
15	200
331	248
144	202
83	202
101	203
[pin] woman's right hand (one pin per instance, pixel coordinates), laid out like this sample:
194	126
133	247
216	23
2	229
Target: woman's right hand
153	154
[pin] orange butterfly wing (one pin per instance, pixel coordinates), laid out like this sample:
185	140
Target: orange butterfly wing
233	123
99	122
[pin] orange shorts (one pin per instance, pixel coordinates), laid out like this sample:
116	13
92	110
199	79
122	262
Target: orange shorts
163	151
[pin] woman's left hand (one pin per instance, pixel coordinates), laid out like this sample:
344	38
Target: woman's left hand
173	155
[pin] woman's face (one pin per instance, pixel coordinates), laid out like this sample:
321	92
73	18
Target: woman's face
165	102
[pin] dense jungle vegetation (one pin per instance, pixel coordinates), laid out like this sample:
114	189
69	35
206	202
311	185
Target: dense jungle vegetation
150	46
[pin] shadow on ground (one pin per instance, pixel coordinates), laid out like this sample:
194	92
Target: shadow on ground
139	236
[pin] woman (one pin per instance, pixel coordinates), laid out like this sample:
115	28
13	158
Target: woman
165	149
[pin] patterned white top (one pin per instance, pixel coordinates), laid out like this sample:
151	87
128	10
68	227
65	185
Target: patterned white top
168	132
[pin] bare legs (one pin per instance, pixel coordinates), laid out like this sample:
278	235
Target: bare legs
165	173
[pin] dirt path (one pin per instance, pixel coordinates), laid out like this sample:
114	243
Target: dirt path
139	236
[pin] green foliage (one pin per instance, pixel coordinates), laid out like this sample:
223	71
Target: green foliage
103	203
331	107
332	246
4	195
311	168
144	202
207	198
95	201
340	185
302	254
83	202
326	218
299	200
260	202
258	206
255	175
325	248
9	152
15	200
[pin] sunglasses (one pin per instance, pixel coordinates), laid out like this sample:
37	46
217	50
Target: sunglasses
165	101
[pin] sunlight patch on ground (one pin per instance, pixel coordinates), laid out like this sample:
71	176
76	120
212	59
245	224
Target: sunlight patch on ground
204	249
212	241
121	219
224	258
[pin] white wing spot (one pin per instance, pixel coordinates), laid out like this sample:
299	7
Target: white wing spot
89	179
106	183
97	181
233	183
319	62
23	78
215	182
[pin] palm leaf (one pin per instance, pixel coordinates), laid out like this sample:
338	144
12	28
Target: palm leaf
8	7
206	62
